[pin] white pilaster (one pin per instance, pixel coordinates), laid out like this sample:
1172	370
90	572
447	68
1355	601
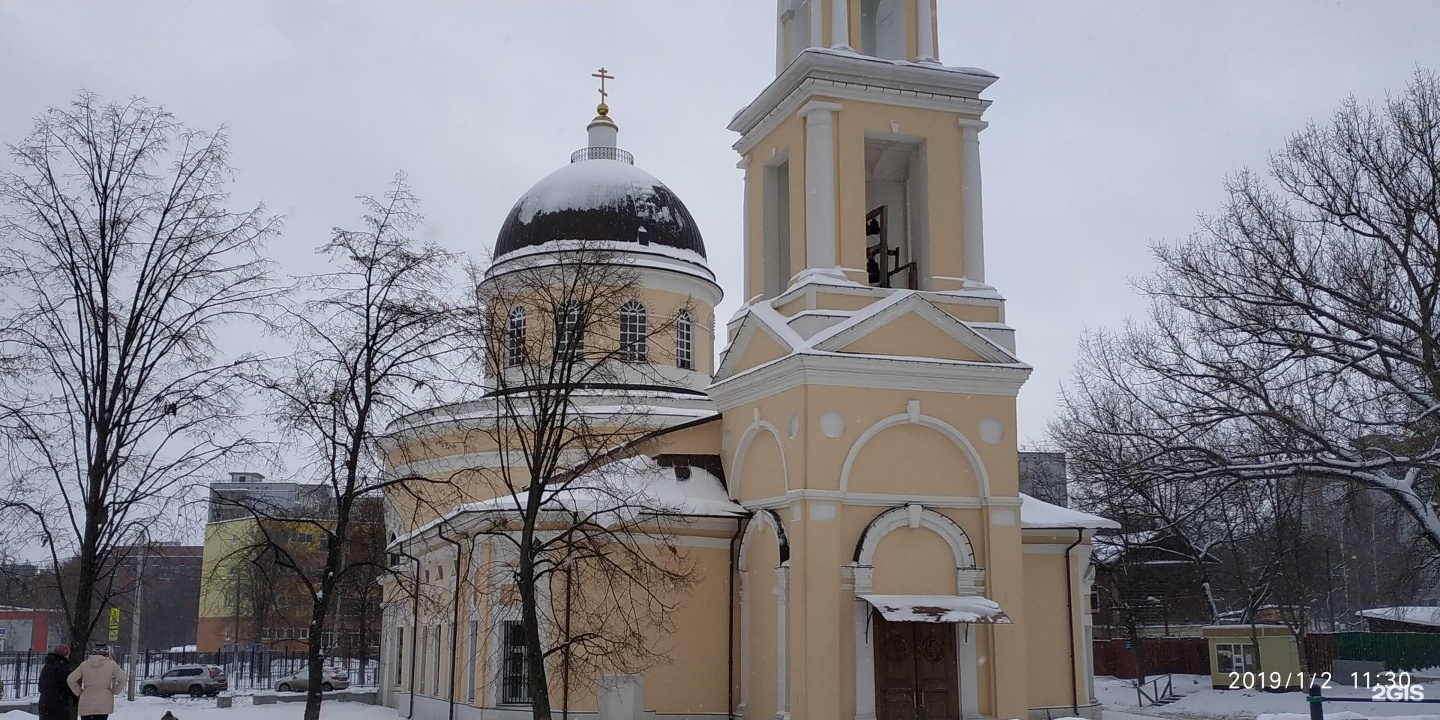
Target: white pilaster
840	24
820	239
972	204
864	650
924	32
744	642
780	59
817	23
782	654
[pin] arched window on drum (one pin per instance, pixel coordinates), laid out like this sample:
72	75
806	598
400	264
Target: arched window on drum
634	329
515	337
684	341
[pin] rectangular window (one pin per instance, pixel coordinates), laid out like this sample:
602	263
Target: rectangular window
423	651
470	666
515	666
896	223
776	219
1235	658
399	655
634	333
515	338
435	685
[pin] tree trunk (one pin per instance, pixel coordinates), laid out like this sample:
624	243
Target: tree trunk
530	619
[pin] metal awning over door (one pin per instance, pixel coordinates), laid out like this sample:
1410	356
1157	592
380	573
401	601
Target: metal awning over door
938	608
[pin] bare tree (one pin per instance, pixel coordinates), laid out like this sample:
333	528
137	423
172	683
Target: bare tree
1297	334
371	341
568	347
121	262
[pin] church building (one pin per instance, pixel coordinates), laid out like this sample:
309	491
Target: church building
843	480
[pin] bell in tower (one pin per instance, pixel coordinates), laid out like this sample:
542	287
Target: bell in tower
862	156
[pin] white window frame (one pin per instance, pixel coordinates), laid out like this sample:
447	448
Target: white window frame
515	337
684	341
1246	653
634	332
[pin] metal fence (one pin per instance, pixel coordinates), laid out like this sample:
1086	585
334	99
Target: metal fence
246	670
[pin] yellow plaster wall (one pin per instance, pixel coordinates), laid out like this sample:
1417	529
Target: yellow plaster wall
915	336
863	407
1047	632
912	460
914	561
760	349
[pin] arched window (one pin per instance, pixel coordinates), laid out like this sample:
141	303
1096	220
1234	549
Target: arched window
684	341
570	329
515	337
634	327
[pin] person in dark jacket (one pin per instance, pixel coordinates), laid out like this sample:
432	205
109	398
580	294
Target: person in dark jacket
55	696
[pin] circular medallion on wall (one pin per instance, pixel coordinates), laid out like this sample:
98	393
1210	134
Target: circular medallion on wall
794	428
832	424
991	430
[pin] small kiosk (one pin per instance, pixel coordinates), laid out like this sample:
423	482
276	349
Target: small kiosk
1265	658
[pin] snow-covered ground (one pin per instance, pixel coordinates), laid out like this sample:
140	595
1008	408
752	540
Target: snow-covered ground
1201	702
149	708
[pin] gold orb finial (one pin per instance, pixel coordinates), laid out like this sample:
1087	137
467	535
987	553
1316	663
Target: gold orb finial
602	109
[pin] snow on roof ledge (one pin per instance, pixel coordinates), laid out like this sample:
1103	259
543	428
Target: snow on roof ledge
1039	514
938	608
1412	614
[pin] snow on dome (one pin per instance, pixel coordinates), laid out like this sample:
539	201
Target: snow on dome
600	199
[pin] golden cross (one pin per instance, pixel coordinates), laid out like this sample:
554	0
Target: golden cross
603	77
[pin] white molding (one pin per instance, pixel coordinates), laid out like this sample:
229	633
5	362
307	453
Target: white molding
982	478
881	500
868	371
895	518
819	71
957	329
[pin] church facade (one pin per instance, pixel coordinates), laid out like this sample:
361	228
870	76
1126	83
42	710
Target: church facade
844	479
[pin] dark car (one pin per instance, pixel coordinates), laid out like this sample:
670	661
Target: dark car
197	680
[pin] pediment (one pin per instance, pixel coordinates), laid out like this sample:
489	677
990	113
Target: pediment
754	345
913	327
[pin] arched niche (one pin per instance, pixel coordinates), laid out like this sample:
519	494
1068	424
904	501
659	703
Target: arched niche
758	467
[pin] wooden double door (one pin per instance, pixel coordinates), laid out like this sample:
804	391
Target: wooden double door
916	677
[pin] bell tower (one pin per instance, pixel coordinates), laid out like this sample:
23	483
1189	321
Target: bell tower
862	157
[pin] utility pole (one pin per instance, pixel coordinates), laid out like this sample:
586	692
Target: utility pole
135	619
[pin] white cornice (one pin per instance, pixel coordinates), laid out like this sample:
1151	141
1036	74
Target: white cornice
868	371
881	500
846	75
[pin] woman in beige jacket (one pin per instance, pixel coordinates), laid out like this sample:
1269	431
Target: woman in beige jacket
96	682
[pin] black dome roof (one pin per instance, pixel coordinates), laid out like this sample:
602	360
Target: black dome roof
599	199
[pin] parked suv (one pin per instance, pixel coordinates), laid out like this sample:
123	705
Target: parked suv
197	680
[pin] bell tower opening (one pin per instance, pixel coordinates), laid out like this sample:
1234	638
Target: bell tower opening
777	226
882	28
896	227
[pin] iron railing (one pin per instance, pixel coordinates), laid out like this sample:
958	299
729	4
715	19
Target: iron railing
602	153
245	670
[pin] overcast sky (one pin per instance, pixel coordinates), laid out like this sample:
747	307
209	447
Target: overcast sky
1114	123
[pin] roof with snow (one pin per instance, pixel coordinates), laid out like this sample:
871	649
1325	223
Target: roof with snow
620	492
1412	614
1040	514
600	199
